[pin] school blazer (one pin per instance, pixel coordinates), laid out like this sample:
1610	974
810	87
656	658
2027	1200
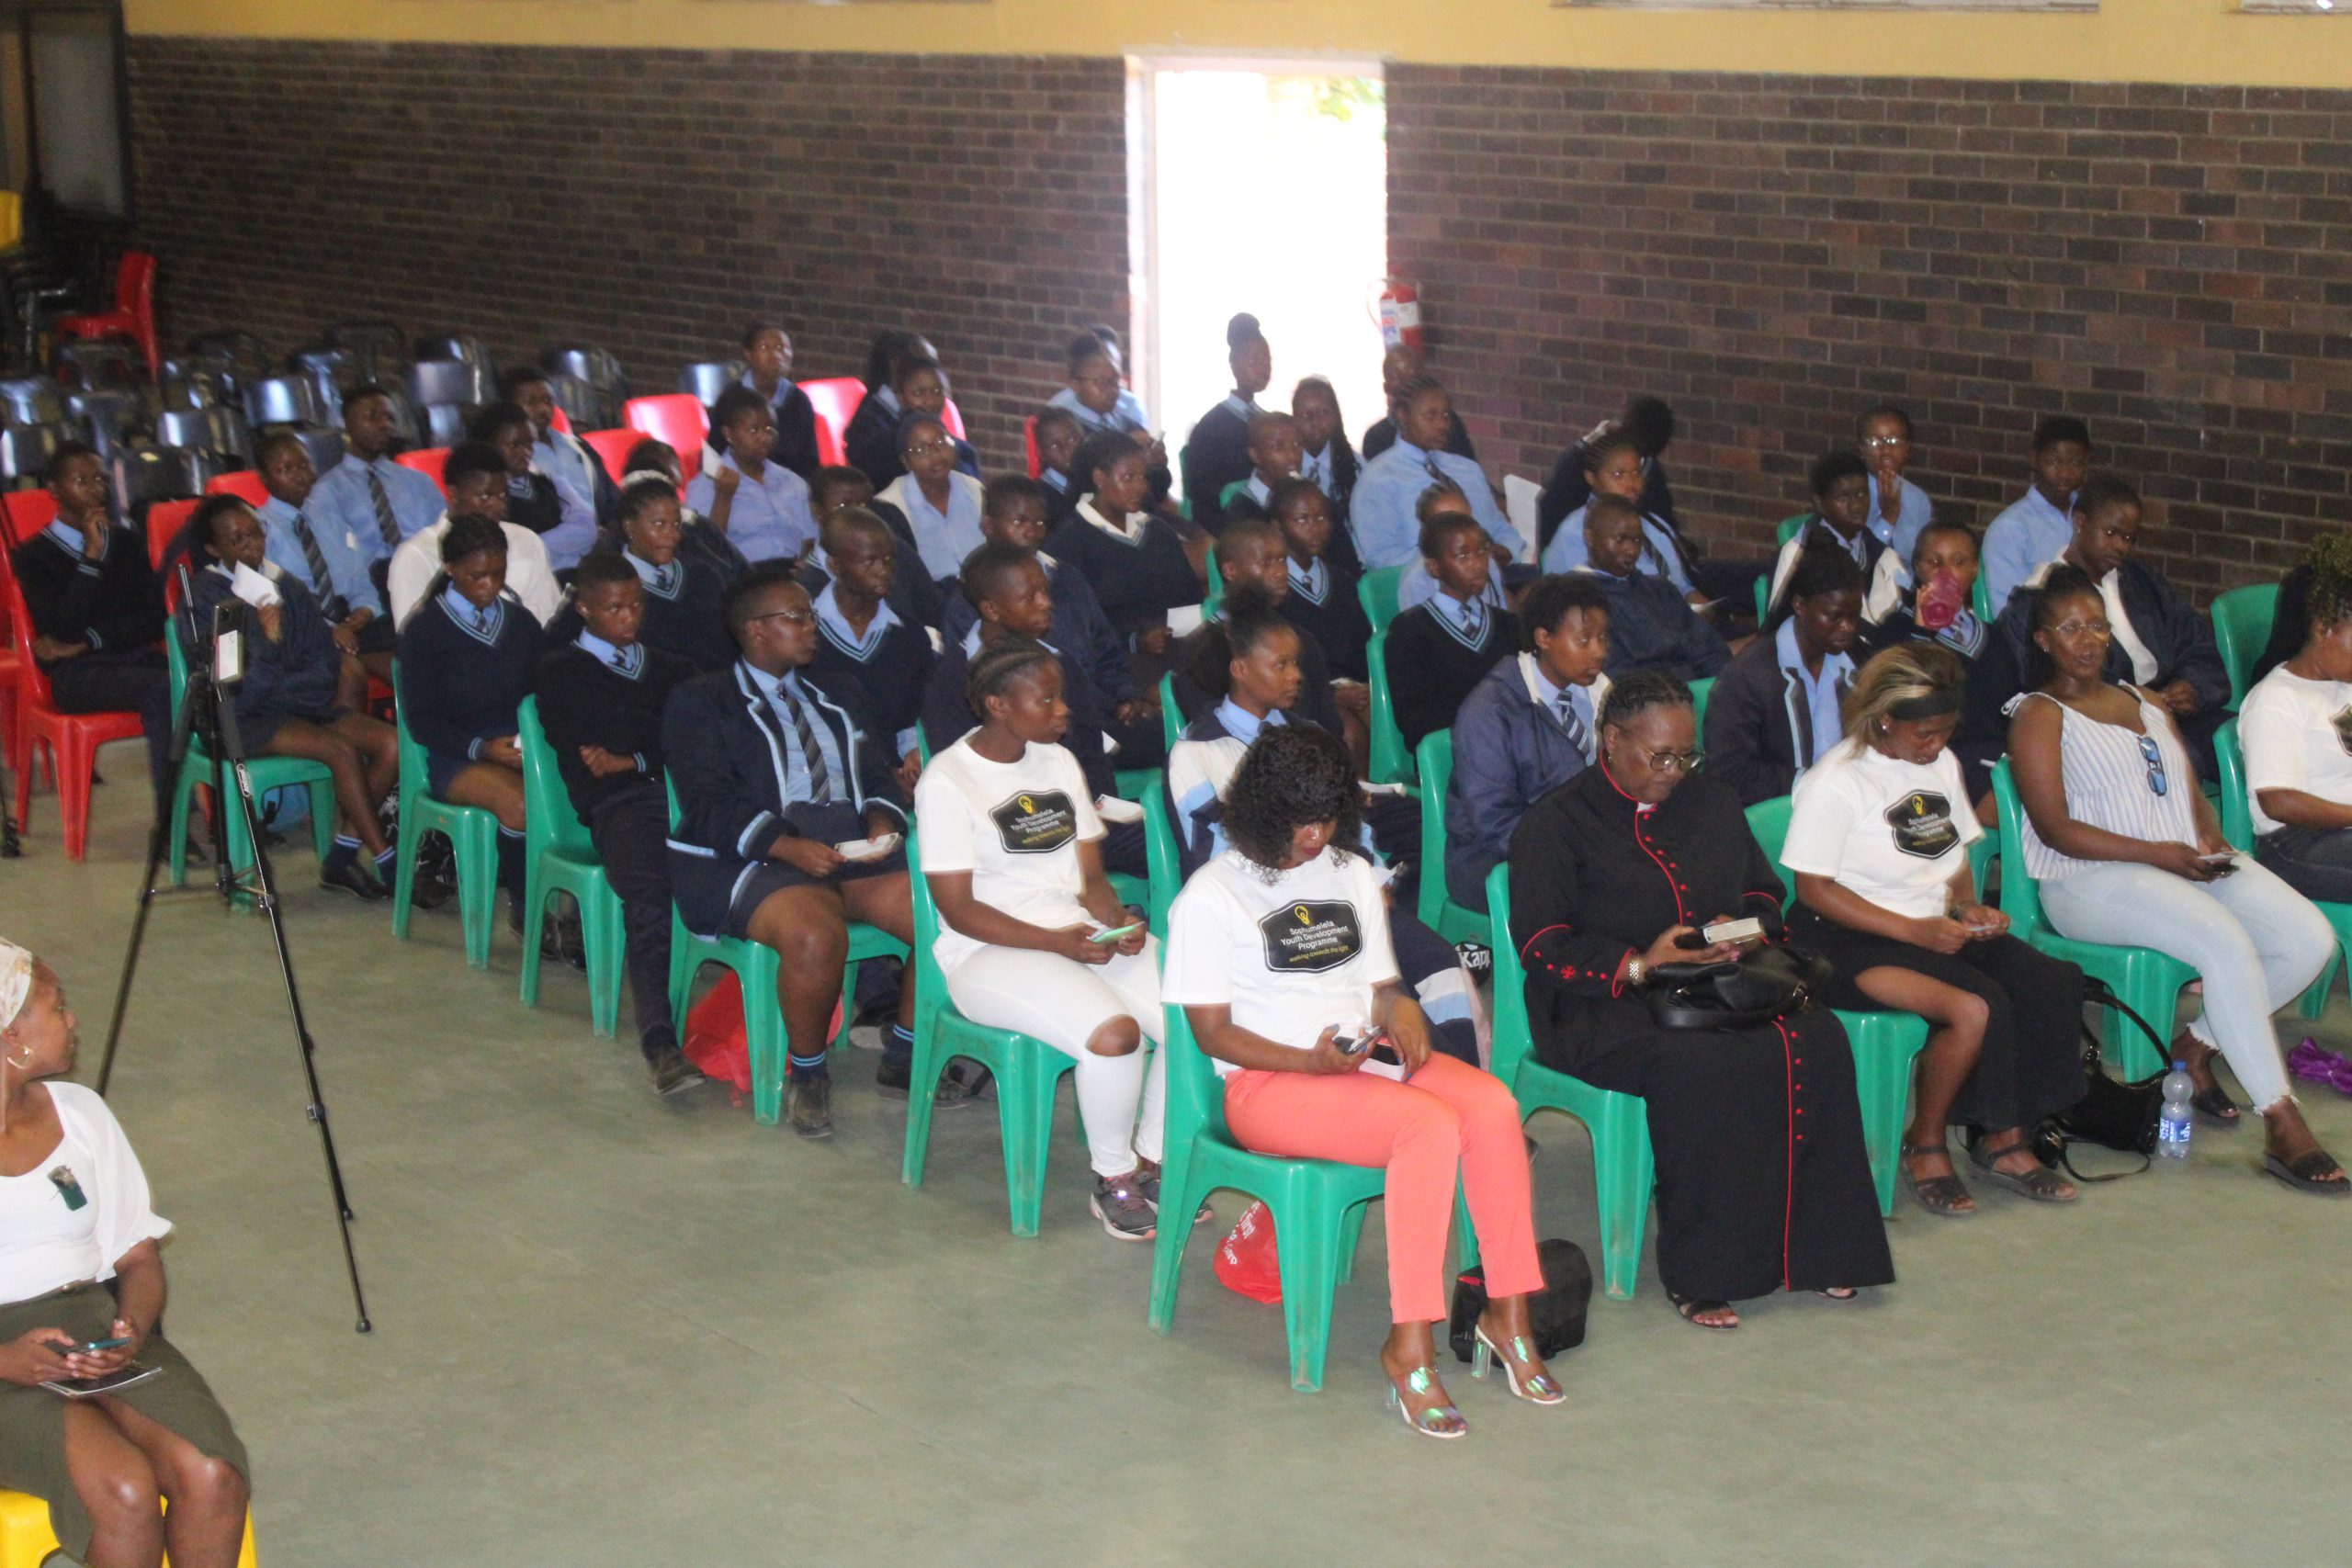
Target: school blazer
1759	724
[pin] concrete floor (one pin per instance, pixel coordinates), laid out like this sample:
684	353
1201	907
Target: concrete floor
614	1331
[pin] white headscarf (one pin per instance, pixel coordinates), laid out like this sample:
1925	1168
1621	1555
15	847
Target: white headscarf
16	981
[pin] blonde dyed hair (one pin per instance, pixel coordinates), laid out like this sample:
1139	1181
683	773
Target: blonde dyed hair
1903	673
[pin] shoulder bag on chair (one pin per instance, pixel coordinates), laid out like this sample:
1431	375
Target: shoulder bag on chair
1759	987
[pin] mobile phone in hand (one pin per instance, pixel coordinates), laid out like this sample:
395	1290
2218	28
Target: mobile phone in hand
1117	933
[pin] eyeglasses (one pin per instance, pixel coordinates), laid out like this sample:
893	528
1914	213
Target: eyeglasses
925	448
797	617
2158	785
1673	762
1882	443
2098	628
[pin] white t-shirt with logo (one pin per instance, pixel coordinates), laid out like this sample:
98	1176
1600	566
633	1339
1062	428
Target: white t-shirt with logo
1015	826
1291	957
1887	831
2298	735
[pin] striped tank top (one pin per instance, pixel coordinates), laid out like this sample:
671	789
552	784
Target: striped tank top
2109	785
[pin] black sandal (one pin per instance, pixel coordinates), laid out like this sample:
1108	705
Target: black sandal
1690	1310
2042	1184
2215	1105
2307	1172
1937	1194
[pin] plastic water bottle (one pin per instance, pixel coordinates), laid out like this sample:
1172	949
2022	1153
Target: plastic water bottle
2173	1125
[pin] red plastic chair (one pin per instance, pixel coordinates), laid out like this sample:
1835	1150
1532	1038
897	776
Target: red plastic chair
1029	442
164	521
428	461
677	418
245	484
133	315
69	739
953	418
561	421
612	446
835	400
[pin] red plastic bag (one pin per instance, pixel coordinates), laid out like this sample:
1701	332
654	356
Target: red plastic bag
1246	1260
715	1040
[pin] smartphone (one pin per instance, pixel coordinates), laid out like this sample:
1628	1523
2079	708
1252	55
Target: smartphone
1732	930
2223	864
94	1345
1357	1045
1117	932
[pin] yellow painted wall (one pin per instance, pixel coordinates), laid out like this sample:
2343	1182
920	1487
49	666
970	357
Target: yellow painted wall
2124	40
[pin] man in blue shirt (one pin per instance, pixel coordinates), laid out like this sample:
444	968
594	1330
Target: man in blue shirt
323	558
579	474
368	497
2037	530
1381	513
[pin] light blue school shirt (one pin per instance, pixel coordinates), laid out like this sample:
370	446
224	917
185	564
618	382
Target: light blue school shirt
795	761
1820	691
342	498
1381	509
1914	514
771	520
1659	556
346	559
1128	408
2022	540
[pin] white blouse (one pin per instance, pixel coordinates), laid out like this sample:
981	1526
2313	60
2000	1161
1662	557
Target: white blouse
70	1218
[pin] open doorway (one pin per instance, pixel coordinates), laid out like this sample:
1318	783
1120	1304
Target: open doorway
1259	186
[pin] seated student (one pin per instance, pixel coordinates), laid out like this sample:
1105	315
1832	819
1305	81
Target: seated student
921	388
300	696
1103	339
700	539
1899	509
476	476
1060	435
467	660
1381	514
371	501
1267	1007
1217	452
2125	849
859	633
97	610
1252	558
2298	767
1415	583
768	518
1099	402
1650	422
565	523
1650	626
1400	365
1933	605
1274	453
1325	456
679	611
2035	531
767	370
940	506
1776	709
1133	559
1878	841
774	768
1530	726
601	697
1440	649
1007	586
870	441
319	555
1323	598
1257	690
1614	466
579	474
1842	521
1011	850
2159	643
918	600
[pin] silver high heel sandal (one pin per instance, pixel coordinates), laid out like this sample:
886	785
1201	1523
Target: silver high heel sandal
1443	1422
1540	1388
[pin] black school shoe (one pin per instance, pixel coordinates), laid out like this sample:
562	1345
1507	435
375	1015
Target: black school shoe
895	1080
360	884
672	1073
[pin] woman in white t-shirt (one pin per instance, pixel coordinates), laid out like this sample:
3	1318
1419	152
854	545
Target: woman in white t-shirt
1878	842
1278	950
79	1268
1011	853
2296	728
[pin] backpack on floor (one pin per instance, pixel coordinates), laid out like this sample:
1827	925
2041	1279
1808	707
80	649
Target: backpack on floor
1554	1314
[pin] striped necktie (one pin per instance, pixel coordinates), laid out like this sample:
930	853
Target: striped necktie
1578	736
820	781
385	520
315	559
1473	621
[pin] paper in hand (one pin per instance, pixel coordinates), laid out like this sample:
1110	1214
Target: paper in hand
253	587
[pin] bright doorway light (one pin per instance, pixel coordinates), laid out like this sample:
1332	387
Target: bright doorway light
1260	186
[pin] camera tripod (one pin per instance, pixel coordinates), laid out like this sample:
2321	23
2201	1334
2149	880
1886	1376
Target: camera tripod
210	697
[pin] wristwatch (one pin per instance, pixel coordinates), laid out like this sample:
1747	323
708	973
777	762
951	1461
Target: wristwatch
1637	972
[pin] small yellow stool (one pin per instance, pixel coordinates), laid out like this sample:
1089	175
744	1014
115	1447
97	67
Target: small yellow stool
25	1540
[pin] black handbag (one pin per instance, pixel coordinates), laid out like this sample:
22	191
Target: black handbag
1554	1314
2113	1114
1758	988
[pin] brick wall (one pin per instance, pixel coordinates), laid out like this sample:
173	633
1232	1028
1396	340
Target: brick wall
1773	253
649	201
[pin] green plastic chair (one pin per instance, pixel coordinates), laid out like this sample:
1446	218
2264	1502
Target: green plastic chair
1028	1074
559	857
1390	763
754	968
1790	528
2146	981
1454	922
1376	592
1213	592
1161	856
1172	722
1883	1043
1318	1206
1624	1167
1141	785
1980	601
2242	621
2237	827
266	774
1700	692
472	832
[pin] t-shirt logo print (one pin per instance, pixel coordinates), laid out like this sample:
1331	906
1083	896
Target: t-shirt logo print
1035	824
1309	939
2343	722
1923	825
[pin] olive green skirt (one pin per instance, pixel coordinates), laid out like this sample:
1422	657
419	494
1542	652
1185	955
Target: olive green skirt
32	1420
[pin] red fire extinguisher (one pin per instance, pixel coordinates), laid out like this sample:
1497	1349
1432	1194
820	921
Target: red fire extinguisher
1395	306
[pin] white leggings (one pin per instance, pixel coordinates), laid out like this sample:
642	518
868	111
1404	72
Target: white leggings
1121	1099
2255	941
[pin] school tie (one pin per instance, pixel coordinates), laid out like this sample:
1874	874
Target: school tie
385	520
820	781
1473	621
1429	461
482	622
314	559
1578	736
